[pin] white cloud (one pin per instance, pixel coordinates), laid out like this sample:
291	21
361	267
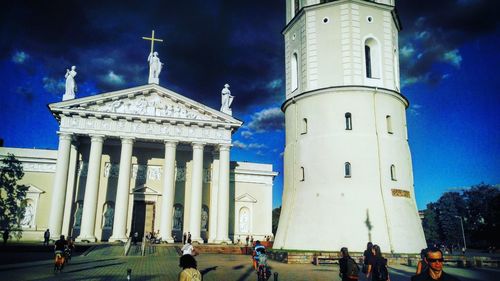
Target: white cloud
267	119
20	57
239	144
114	78
453	57
246	134
415	109
53	86
407	51
275	84
256	145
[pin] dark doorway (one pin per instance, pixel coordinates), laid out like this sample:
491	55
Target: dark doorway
143	217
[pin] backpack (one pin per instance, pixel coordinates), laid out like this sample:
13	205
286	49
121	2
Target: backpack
382	273
352	269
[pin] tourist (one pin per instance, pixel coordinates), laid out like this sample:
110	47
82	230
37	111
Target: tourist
188	249
367	254
422	265
46	237
434	258
247	239
184	238
349	270
377	266
189	271
256	253
6	235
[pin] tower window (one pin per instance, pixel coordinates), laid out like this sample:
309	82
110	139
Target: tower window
347	169
372	58
302	174
295	72
393	172
389	124
348	121
304	126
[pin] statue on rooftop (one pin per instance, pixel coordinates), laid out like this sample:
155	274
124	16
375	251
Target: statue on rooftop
155	67
227	100
70	84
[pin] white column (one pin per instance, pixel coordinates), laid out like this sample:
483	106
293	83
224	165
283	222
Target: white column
196	193
214	189
223	204
60	180
91	188
70	190
167	203
122	192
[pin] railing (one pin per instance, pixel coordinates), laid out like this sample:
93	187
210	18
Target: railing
127	246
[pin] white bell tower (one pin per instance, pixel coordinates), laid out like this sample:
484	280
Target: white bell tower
347	165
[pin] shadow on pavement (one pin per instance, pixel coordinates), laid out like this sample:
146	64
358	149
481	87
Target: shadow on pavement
93	267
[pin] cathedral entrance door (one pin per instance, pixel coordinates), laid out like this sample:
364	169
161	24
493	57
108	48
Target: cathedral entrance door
143	217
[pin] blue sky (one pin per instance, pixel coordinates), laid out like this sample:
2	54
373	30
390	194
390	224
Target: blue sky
449	65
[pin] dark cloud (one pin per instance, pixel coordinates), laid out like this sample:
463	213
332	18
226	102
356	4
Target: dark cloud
270	119
434	32
206	44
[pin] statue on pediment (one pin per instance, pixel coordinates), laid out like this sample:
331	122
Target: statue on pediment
70	84
227	100
155	66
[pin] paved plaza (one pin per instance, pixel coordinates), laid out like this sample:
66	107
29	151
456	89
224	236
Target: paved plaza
108	264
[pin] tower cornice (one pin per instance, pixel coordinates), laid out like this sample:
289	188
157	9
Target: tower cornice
334	89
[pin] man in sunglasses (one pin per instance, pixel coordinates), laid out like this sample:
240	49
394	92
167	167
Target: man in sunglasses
434	259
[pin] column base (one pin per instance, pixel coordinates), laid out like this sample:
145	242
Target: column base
223	241
118	239
86	239
168	240
197	241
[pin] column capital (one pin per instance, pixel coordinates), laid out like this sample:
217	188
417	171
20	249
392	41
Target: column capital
127	140
65	135
170	143
225	147
97	138
198	145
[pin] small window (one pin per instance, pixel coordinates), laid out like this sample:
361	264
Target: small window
295	72
347	169
393	172
368	62
348	121
372	58
304	126
389	124
302	174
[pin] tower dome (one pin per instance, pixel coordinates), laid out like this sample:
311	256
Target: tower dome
347	164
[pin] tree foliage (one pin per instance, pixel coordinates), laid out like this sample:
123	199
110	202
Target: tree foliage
12	195
478	206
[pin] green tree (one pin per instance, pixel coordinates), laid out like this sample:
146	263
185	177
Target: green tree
430	224
276	219
12	195
451	207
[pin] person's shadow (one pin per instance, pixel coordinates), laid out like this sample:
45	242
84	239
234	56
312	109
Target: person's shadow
207	270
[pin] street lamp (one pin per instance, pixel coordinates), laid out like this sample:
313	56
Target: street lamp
463	233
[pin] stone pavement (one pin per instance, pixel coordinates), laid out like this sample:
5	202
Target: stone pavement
163	265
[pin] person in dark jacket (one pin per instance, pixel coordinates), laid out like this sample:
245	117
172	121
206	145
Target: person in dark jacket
377	266
349	270
434	258
367	254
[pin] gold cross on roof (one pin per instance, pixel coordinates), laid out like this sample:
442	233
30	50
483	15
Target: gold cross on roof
152	39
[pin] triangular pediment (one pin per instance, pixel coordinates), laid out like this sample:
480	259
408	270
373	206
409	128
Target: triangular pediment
145	190
246	198
34	189
149	102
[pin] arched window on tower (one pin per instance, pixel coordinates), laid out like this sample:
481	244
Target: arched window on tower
372	58
295	72
304	126
347	169
389	124
348	121
393	172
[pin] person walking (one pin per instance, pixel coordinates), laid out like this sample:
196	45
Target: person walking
6	235
349	270
46	237
367	255
188	249
434	258
189	271
377	266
